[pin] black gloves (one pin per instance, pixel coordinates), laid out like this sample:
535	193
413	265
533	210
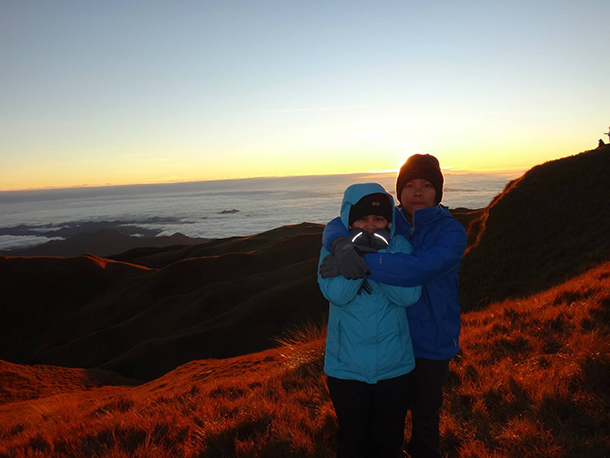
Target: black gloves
329	267
349	259
370	243
379	239
346	260
348	253
360	239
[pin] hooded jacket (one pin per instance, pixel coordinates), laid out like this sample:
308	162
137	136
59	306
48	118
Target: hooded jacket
368	336
438	243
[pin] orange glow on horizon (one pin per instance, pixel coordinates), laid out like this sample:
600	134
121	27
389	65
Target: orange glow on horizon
192	168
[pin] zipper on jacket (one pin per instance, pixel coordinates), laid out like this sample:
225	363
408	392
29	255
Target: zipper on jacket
410	223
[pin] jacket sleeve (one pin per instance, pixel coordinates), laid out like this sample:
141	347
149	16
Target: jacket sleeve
425	264
338	290
333	230
402	296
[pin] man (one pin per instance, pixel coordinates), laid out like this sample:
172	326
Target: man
438	243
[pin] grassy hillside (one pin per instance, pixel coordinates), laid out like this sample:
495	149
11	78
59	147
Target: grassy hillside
531	381
215	300
533	376
547	226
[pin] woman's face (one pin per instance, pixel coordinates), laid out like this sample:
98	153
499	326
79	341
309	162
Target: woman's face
418	193
370	223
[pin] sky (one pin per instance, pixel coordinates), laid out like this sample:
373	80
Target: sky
120	92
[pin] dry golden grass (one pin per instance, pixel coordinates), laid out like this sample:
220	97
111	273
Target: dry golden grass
269	404
532	380
533	377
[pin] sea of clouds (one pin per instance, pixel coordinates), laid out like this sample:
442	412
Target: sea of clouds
208	209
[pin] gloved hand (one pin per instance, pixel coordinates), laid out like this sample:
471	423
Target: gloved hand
349	259
329	267
370	243
362	240
379	239
360	237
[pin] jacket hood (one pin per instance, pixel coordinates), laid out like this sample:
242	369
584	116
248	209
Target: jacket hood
355	192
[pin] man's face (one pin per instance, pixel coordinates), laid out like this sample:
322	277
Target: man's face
370	223
418	193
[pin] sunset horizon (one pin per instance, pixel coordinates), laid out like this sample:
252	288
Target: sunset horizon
121	93
379	172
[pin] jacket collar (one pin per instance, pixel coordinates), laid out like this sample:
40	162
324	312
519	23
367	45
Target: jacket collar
424	215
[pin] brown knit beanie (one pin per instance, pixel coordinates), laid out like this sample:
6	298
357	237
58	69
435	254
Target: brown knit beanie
422	166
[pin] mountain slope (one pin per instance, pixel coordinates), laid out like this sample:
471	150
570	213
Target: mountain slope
37	294
145	321
547	226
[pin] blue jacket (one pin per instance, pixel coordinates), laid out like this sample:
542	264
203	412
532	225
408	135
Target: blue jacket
438	243
368	335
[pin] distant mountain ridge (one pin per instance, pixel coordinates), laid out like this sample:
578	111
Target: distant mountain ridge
103	238
148	310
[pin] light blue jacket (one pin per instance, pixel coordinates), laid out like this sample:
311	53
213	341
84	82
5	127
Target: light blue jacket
368	335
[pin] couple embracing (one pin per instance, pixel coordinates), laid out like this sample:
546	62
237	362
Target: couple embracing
391	277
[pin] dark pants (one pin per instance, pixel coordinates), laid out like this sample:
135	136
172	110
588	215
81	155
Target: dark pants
371	416
428	379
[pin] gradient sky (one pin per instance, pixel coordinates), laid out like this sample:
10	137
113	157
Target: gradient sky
115	92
